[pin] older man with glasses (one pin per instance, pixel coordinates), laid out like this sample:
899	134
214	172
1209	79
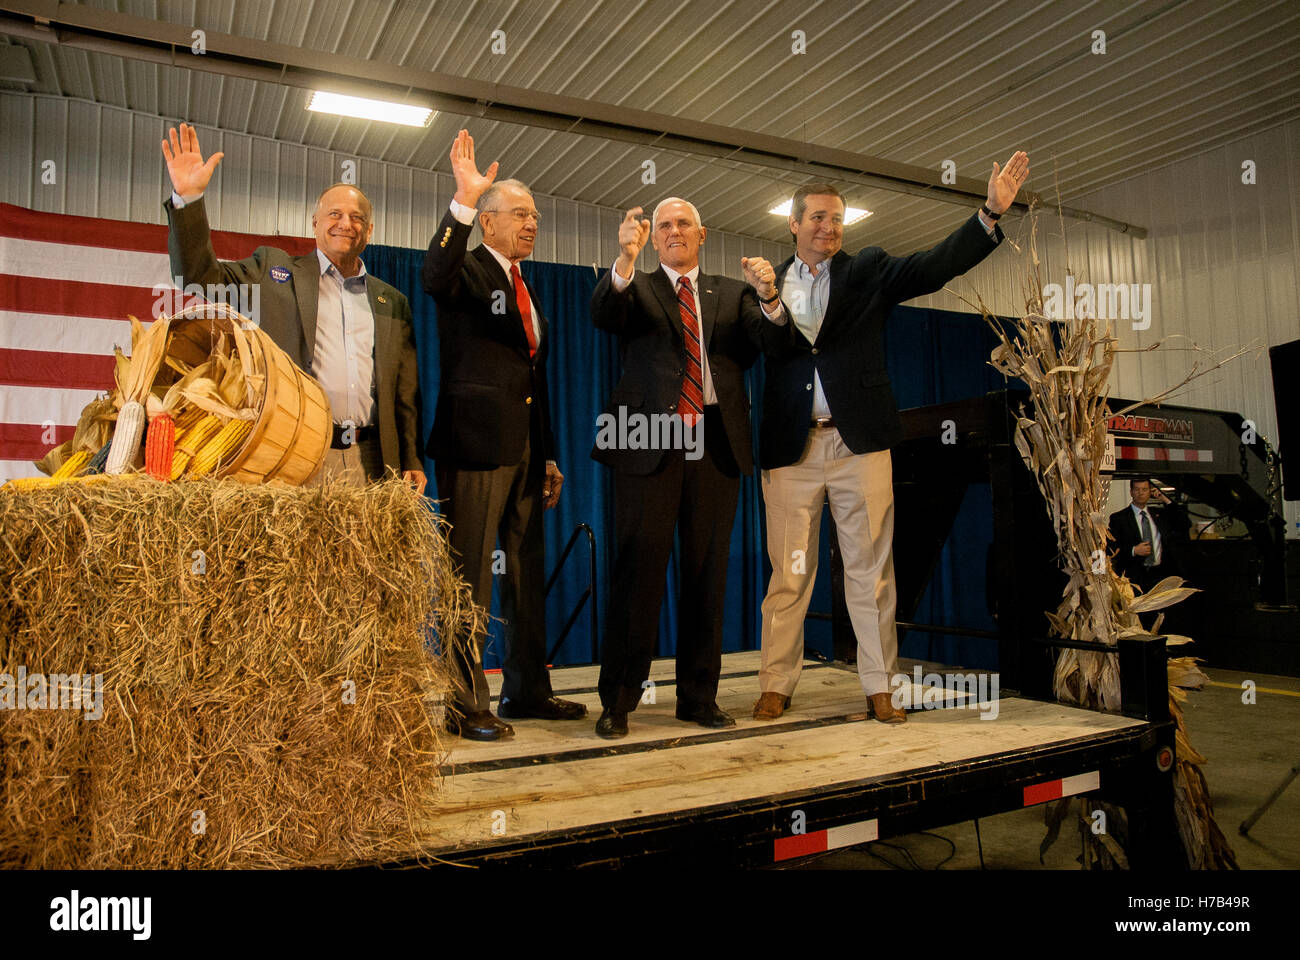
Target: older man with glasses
492	444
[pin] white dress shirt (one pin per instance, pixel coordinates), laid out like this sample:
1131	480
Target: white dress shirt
806	291
343	357
1155	533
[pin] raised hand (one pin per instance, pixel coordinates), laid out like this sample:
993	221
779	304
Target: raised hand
759	275
190	174
632	236
1004	184
470	184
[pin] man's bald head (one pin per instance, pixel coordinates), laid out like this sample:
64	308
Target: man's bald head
343	225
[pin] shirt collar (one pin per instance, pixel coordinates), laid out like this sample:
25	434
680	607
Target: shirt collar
501	259
326	266
806	272
692	275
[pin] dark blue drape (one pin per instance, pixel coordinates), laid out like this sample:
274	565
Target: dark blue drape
934	356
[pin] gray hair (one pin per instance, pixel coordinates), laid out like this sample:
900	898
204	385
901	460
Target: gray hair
489	197
654	218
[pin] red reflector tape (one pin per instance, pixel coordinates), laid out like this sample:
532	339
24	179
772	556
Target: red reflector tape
1065	787
832	838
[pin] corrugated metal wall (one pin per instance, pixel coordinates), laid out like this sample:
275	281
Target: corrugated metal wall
1222	257
109	163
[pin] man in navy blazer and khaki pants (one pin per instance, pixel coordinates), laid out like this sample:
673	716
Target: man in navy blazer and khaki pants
829	419
492	444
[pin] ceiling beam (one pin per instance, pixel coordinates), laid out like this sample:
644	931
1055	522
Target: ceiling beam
139	38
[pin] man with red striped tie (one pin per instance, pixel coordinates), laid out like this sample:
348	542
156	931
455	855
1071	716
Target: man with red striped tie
676	434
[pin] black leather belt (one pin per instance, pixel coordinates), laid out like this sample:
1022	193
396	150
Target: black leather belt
360	435
822	422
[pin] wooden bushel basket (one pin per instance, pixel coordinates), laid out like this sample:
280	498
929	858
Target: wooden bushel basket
294	424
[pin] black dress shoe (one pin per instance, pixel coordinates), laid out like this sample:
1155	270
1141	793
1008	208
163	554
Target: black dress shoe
705	714
612	724
478	725
552	708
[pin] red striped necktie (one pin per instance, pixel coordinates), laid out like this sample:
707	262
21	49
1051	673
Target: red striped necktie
691	404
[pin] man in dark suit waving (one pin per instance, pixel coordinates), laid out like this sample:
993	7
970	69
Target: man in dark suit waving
677	435
829	419
492	444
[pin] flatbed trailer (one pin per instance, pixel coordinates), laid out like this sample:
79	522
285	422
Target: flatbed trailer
673	794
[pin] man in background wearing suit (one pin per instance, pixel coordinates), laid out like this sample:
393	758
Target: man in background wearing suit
491	443
686	340
829	419
352	332
1146	543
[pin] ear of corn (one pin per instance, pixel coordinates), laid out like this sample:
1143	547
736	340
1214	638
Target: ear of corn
186	418
219	448
31	483
191	442
126	437
72	466
97	462
160	447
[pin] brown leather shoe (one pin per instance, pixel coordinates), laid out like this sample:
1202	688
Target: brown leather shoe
770	706
882	708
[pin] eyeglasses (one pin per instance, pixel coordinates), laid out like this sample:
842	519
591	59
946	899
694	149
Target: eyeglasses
520	214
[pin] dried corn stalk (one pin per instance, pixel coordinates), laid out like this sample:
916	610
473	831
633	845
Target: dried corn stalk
1066	365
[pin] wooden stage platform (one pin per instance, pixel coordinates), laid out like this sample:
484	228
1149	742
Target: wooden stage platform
824	775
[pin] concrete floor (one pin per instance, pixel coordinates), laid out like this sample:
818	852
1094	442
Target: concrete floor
1250	749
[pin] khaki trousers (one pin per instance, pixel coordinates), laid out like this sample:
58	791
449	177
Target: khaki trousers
354	465
860	490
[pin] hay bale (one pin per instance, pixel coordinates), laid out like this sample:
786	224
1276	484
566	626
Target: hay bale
227	621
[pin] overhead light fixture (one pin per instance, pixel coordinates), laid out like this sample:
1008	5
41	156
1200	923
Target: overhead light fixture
363	109
851	214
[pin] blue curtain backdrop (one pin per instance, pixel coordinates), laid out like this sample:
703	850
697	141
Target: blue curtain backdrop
934	356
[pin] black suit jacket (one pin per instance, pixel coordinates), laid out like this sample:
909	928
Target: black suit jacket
492	395
1171	524
849	351
288	316
646	318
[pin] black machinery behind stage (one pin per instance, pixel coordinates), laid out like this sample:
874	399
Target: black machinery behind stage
1213	457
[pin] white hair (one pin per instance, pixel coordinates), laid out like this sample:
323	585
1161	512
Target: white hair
654	219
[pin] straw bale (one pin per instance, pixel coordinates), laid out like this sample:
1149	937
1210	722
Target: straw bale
225	739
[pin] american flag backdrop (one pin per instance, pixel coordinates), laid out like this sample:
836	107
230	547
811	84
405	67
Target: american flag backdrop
67	288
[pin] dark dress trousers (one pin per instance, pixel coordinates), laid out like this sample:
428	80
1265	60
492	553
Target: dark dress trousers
490	442
288	316
658	491
849	351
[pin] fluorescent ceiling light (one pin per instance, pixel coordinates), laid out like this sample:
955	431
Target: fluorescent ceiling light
851	214
364	109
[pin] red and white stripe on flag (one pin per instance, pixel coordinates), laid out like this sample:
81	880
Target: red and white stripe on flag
1065	787
832	838
67	287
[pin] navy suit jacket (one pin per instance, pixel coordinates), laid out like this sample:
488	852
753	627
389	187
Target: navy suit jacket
646	318
492	395
849	350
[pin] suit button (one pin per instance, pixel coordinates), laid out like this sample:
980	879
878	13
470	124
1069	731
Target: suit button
808	387
528	399
814	351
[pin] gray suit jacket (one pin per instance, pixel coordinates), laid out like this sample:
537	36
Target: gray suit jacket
288	316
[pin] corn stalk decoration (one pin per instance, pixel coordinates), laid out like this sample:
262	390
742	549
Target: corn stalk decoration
1066	365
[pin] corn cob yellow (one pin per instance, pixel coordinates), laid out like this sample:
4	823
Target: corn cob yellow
72	466
188	446
187	418
227	441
